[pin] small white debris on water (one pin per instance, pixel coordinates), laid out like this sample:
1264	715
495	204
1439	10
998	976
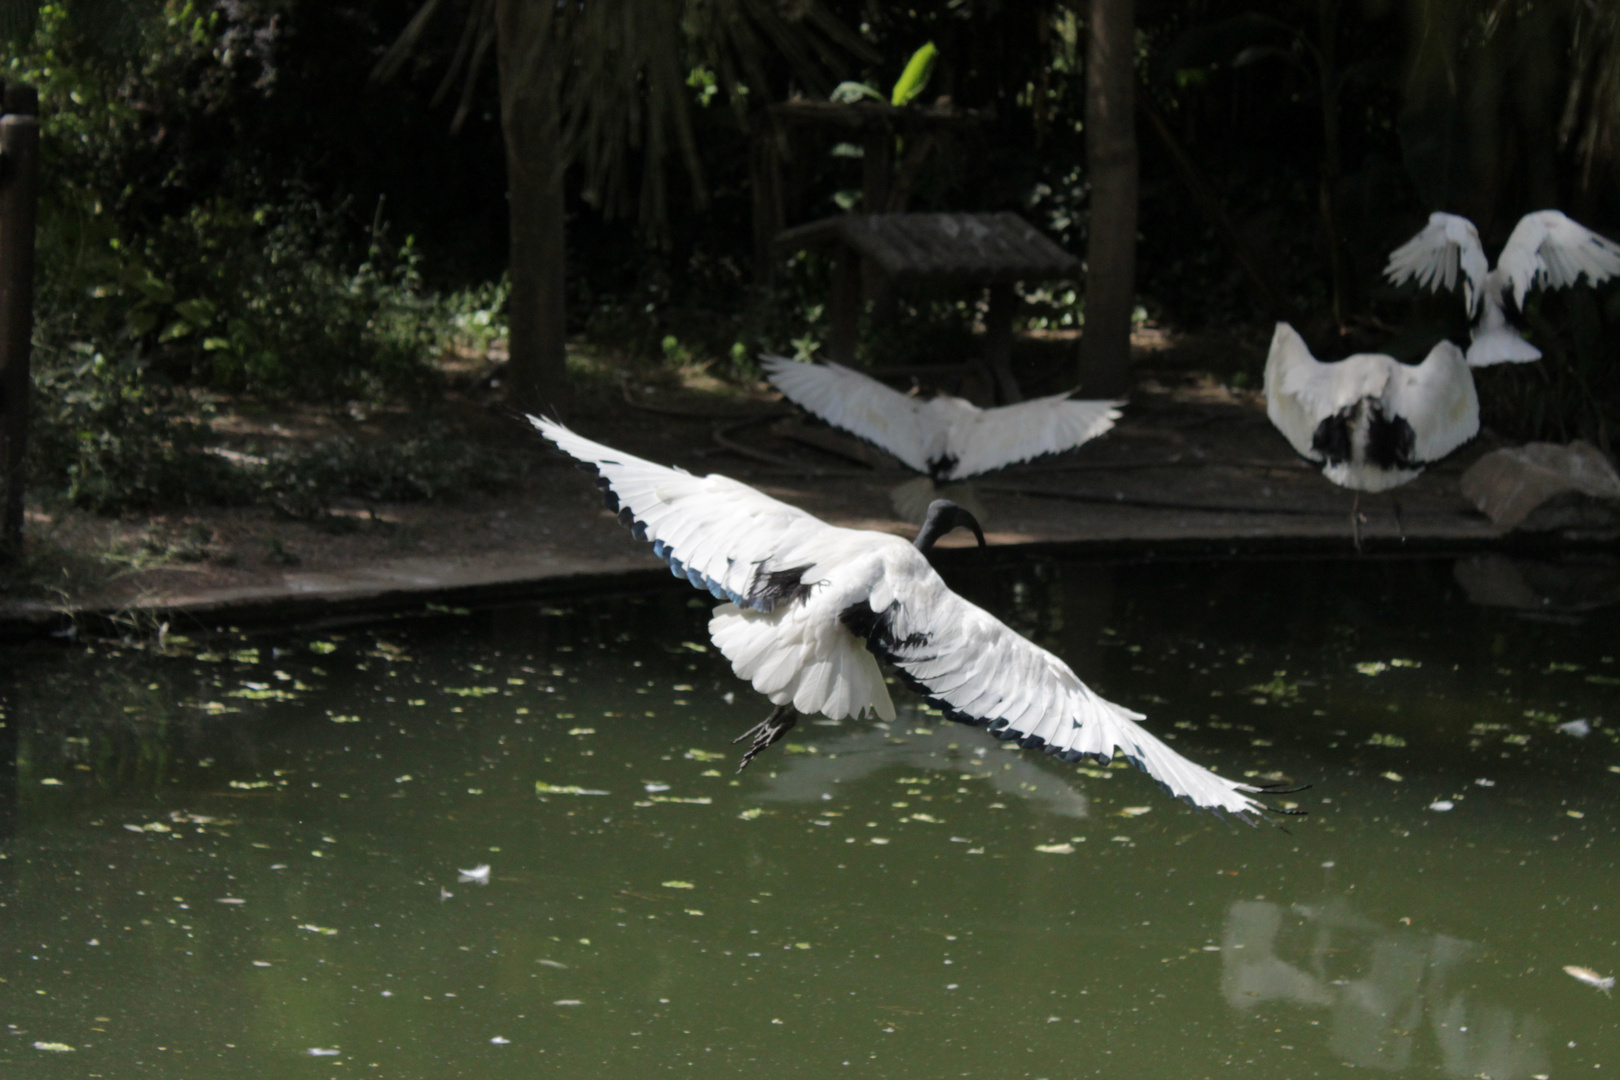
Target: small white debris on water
566	1001
1578	728
1586	975
1441	805
478	875
498	1041
54	1047
1482	782
321	1051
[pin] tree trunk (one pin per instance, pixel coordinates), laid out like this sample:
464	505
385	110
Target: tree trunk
1105	346
537	373
1345	293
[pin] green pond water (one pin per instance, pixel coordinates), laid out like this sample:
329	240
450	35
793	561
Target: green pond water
239	856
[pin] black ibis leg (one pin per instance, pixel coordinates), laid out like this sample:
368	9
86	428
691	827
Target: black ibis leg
1355	521
767	731
1400	526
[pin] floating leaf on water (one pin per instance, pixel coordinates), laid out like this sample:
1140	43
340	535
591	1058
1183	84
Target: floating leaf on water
677	885
472	691
64	1048
1406	663
1586	975
228	900
1441	805
1372	667
1482	782
322	647
1095	774
256	692
543	788
1516	740
1055	849
213	708
345	719
703	755
1379	739
754	811
801	945
701	800
261	963
51	781
245	656
925	817
880	840
581	730
312	928
1134	811
656	787
1574	813
322	1051
553	964
405	779
478	875
693	911
1395	776
251	785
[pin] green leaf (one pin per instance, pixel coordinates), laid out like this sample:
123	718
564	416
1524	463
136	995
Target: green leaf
915	77
197	311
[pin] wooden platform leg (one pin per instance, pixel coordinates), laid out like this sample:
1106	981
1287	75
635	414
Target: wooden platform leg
998	342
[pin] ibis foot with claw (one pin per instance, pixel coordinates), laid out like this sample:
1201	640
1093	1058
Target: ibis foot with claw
767	731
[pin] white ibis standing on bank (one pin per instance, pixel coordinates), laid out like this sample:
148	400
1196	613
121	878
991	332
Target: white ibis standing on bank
1370	422
810	608
1546	249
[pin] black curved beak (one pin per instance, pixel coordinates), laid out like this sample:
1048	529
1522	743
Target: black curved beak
943	516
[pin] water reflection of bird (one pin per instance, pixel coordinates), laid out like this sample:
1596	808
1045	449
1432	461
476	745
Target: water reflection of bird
1369	422
856	754
945	438
1545	249
1383	986
811	607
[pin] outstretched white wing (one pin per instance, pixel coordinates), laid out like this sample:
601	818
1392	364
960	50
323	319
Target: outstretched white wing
980	672
1548	249
856	403
721	535
995	438
1437	398
1295	385
1433	256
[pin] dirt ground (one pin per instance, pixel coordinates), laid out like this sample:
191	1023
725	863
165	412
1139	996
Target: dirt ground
1193	459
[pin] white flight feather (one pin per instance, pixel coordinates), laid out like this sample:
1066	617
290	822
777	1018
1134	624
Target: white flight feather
800	651
945	436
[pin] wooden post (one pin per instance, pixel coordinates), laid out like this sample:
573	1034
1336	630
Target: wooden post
844	309
998	342
19	188
1105	343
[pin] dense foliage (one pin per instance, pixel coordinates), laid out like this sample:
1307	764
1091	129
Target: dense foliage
231	207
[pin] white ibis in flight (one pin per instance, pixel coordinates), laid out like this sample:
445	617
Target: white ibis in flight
810	608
